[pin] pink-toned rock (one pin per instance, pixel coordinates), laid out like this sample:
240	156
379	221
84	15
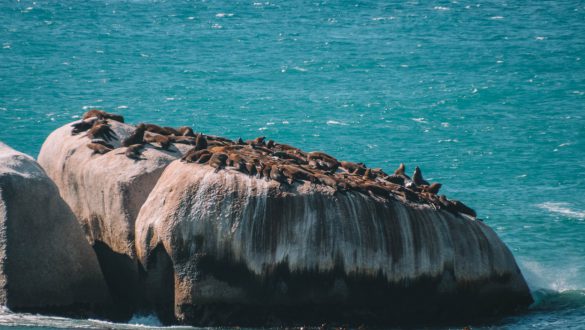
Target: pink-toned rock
105	192
46	263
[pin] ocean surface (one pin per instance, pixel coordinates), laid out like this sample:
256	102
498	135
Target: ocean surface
487	97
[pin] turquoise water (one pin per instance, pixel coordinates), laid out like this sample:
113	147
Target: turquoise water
487	98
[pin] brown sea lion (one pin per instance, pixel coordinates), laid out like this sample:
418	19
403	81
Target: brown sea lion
218	161
103	142
462	208
204	158
137	137
172	130
276	174
134	151
193	155
158	129
164	141
259	141
83	125
250	168
99	148
368	175
295	173
354	168
186	131
183	139
417	177
401	171
326	180
322	160
289	156
433	188
200	142
101	131
102	115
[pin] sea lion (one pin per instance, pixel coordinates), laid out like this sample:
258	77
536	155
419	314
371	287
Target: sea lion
218	161
164	141
326	180
270	144
103	142
99	148
368	175
159	130
258	141
322	160
137	137
433	188
295	173
417	177
276	174
100	131
83	125
172	130
134	151
353	168
373	188
240	141
288	156
186	131
102	115
193	155
262	149
200	142
205	157
183	139
250	168
462	208
401	171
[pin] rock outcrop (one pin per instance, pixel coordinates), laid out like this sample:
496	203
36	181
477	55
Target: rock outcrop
46	262
249	251
105	192
261	233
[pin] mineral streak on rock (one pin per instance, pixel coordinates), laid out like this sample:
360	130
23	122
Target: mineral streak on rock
46	264
256	245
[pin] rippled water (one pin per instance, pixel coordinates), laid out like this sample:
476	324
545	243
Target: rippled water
487	98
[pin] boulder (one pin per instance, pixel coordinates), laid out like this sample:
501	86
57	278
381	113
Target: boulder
223	247
105	192
46	262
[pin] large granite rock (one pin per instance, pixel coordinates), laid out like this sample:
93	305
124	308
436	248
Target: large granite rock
228	248
46	262
106	192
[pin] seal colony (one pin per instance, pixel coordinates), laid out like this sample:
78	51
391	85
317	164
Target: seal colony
206	230
270	160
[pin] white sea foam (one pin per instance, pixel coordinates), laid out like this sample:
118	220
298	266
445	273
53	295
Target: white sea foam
441	8
563	209
556	278
335	122
497	17
148	320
